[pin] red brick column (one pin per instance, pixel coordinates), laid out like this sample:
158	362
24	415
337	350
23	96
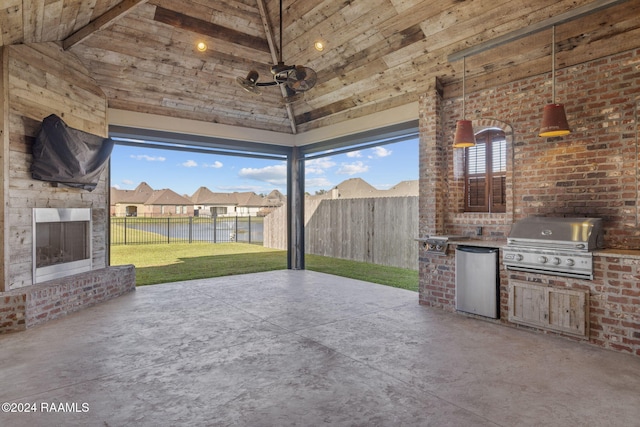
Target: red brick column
436	272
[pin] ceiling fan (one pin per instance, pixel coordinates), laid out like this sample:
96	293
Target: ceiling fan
294	78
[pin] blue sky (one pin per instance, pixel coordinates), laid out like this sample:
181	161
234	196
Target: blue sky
184	172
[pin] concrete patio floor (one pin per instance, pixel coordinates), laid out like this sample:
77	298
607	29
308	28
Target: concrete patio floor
301	348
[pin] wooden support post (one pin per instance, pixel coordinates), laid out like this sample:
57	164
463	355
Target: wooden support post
295	210
4	168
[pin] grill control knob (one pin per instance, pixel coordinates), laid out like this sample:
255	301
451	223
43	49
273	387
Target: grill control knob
570	262
519	257
556	261
542	259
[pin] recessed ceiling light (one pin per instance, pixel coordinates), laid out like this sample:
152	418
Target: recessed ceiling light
319	45
201	46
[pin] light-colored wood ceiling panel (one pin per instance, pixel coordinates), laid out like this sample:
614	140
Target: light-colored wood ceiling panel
84	14
11	22
380	53
52	16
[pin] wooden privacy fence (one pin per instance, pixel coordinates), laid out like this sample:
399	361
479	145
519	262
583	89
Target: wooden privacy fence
378	230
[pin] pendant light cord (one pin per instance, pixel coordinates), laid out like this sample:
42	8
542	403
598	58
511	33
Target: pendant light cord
553	64
280	52
464	71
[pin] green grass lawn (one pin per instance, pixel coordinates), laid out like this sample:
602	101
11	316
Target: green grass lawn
163	263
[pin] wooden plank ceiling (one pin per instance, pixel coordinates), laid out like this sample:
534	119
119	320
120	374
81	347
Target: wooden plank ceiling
379	53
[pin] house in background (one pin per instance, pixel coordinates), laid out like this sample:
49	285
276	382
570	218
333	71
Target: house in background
276	198
358	188
207	203
144	201
249	204
129	202
167	202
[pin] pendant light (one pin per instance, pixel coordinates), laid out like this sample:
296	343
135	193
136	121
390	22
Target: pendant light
464	136
554	119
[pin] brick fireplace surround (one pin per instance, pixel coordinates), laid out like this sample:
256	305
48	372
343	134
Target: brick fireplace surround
55	83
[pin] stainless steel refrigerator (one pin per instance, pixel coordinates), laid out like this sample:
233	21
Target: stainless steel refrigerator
477	281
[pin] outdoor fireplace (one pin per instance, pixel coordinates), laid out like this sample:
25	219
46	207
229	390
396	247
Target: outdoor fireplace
61	242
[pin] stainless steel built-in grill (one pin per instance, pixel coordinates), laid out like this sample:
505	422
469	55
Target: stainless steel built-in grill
553	245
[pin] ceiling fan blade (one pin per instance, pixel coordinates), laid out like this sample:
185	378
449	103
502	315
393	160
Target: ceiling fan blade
250	83
302	78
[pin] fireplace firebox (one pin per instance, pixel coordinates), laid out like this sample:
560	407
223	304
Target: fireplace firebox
61	242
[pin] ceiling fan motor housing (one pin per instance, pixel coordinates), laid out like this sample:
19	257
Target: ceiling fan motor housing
296	78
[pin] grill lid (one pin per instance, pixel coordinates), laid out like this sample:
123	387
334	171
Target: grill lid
584	234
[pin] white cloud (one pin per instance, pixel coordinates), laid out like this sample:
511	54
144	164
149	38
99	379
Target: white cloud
189	164
116	186
352	168
214	165
275	175
318	166
319	183
241	188
127	182
380	152
148	158
356	153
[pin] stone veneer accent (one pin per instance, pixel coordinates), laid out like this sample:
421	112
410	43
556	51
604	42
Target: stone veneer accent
55	83
26	307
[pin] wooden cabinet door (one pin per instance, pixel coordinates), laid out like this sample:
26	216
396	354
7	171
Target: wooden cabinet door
557	309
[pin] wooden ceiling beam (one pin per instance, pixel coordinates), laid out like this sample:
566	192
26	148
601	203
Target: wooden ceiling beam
576	13
206	28
275	55
101	22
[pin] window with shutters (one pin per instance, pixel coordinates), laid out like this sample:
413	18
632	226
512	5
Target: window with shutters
486	173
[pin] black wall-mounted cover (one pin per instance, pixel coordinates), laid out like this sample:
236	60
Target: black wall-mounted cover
69	156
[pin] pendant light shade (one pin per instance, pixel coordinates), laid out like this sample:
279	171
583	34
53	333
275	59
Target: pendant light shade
554	119
464	136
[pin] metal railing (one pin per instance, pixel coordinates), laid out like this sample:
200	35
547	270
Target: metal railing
139	231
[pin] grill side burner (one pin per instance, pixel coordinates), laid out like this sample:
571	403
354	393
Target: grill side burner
438	244
551	245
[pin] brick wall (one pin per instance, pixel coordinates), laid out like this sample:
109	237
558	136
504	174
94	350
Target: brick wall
13	311
592	172
615	303
433	164
437	280
27	307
